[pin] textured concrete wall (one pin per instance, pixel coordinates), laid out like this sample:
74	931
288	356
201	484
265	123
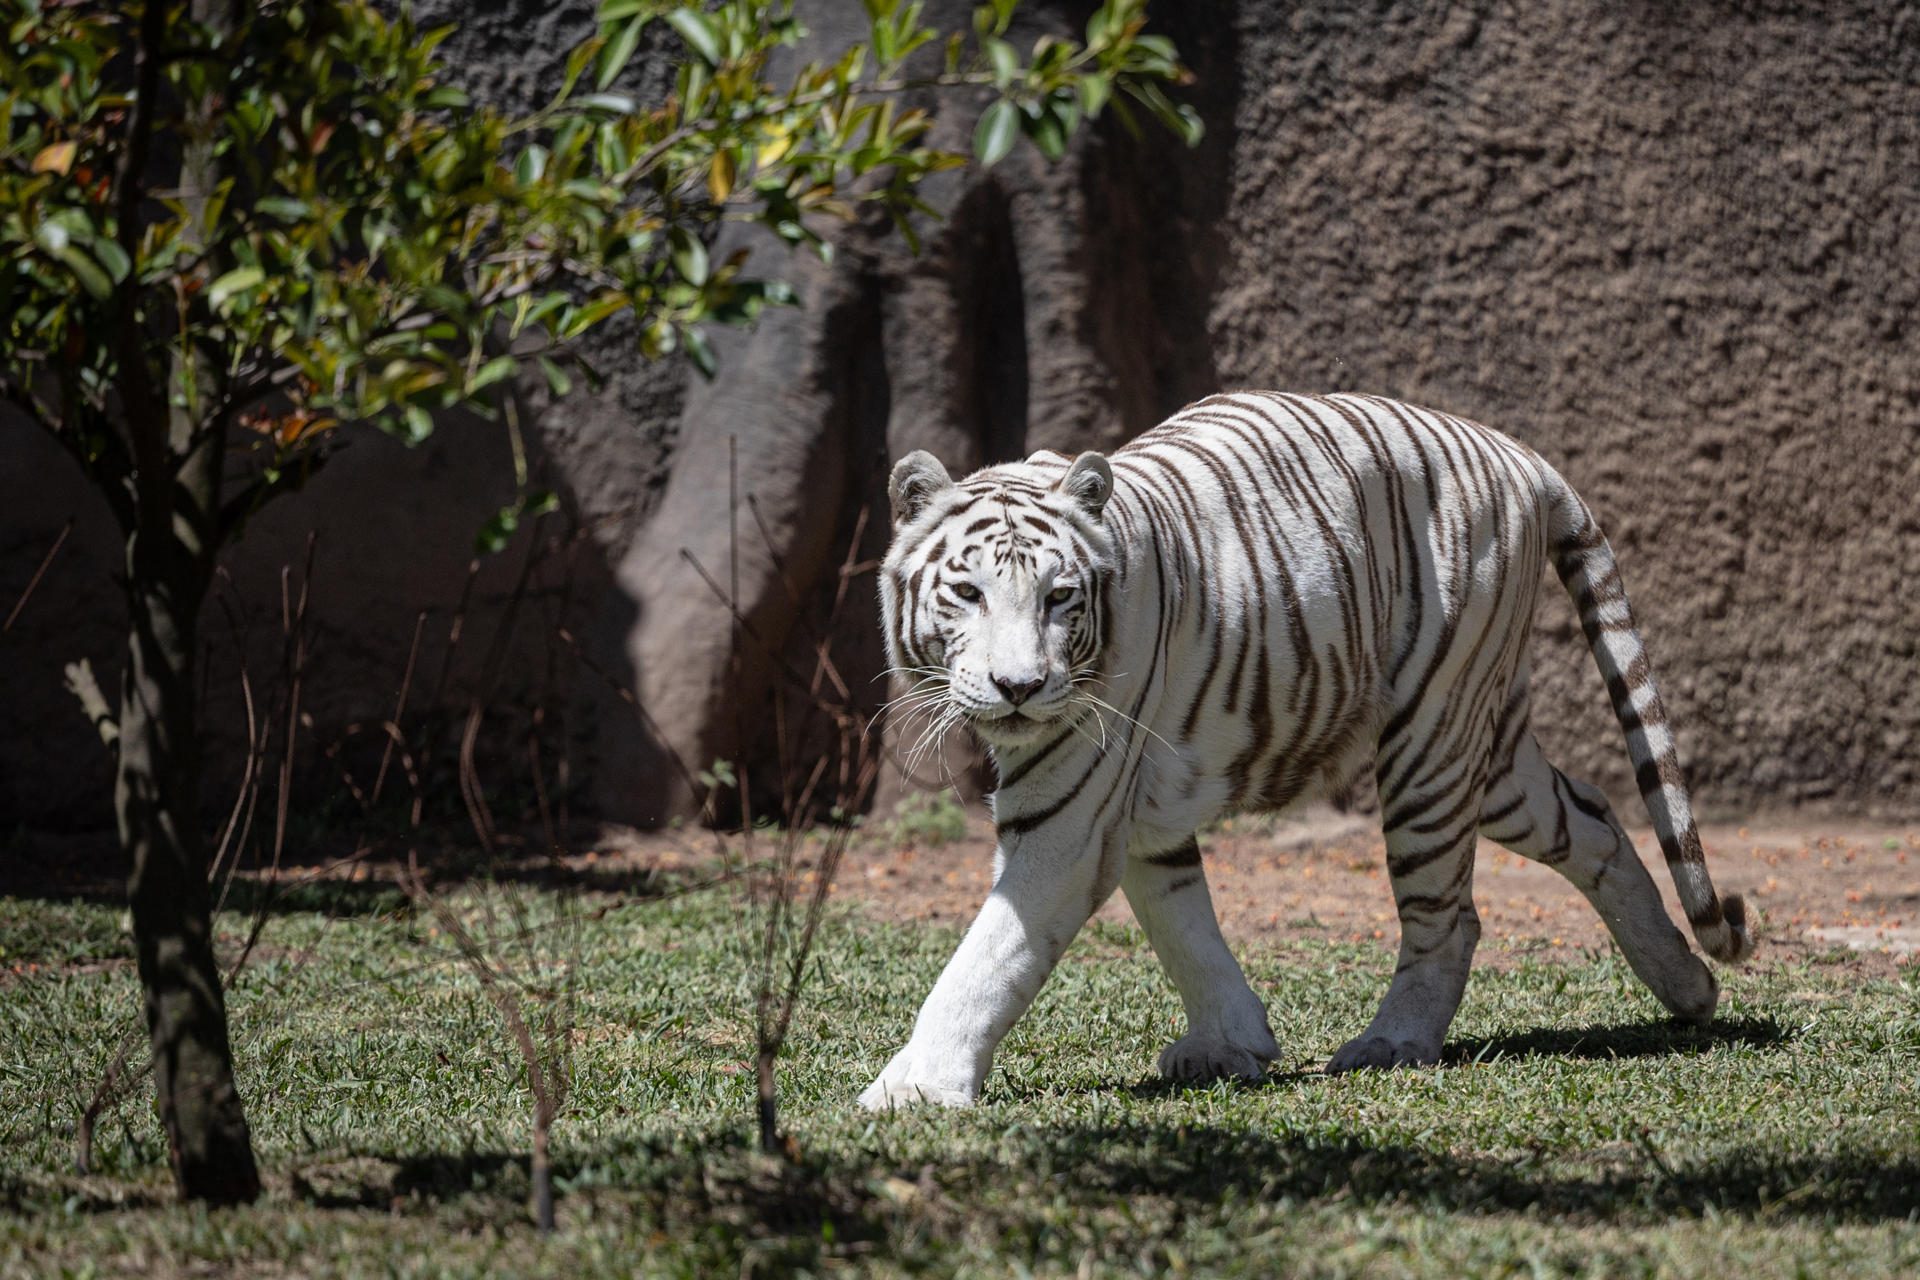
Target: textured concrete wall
1674	247
1677	249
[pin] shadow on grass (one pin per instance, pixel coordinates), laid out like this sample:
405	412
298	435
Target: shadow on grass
1632	1183
903	1201
382	896
1159	1087
1598	1042
1201	1169
1653	1039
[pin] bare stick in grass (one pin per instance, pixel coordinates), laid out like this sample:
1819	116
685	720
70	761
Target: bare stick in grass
399	708
783	940
547	1056
39	573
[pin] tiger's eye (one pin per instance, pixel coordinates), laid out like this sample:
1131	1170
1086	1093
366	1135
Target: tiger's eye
966	591
1059	595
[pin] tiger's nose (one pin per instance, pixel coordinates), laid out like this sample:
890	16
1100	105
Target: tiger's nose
1018	691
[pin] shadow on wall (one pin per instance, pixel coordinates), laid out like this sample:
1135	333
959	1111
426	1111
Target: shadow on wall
1054	307
393	566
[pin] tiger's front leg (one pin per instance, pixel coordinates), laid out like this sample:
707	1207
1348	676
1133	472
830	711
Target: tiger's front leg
1228	1035
1049	883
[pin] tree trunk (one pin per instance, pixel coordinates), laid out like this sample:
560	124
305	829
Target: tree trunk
769	1101
157	797
177	442
542	1165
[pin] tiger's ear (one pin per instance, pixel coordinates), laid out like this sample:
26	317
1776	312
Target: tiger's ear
1089	482
917	479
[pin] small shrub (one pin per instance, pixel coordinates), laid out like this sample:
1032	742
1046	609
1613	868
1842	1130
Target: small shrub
929	819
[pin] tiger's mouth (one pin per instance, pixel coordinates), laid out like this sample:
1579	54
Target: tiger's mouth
1010	729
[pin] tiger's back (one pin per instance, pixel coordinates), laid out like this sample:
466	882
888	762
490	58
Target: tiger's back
1320	558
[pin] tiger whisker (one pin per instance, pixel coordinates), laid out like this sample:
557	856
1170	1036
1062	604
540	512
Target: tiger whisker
940	672
913	702
933	740
914	699
935	732
1100	743
1103	703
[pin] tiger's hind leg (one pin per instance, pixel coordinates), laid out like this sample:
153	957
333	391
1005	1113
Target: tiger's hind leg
1228	1036
1430	794
1540	813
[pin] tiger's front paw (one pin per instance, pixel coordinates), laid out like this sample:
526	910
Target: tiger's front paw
885	1095
917	1077
1194	1059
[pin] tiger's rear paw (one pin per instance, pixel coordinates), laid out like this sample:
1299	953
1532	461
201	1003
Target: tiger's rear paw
1195	1059
1690	992
1381	1053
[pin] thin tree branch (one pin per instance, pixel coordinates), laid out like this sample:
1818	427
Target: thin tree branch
39	573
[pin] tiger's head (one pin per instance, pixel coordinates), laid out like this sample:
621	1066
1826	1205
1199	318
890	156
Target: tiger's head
994	592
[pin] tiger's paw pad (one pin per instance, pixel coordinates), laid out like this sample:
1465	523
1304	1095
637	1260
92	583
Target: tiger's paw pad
885	1095
1196	1059
1380	1053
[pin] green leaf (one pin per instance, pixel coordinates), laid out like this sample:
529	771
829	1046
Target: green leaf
1182	119
113	258
497	532
1095	89
286	208
993	137
216	203
697	30
491	372
688	255
233	282
530	165
540	502
1192	129
614	58
614	10
1048	132
1006	63
618	103
91	277
699	351
557	380
51	236
418	424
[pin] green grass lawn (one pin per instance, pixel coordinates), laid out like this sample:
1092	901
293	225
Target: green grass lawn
1573	1133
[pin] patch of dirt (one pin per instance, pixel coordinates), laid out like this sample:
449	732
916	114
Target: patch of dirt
1813	890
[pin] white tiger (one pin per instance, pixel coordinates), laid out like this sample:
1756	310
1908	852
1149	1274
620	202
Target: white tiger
1262	596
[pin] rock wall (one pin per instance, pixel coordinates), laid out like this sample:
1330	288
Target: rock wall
1675	248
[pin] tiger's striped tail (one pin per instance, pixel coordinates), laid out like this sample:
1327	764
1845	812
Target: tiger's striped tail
1587	568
